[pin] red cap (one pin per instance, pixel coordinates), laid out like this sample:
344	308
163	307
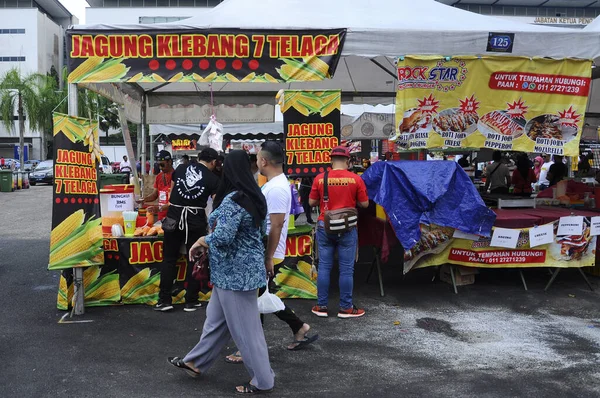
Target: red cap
340	151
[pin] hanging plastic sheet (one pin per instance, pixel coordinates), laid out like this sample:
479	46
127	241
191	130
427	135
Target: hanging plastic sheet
421	192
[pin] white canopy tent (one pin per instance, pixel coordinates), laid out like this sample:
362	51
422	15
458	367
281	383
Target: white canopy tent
378	32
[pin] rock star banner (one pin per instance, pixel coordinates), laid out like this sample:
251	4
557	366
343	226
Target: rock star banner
76	236
131	274
501	103
311	125
215	55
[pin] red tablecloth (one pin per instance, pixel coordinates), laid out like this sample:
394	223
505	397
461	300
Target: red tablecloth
525	218
375	232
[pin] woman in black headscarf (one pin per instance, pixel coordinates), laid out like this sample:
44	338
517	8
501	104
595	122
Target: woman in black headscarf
237	271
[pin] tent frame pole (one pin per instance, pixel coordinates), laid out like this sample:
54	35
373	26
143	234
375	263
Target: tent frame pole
386	70
79	290
143	132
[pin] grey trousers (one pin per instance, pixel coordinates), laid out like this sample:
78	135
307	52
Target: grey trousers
234	314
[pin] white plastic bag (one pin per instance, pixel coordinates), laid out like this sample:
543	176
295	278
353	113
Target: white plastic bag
269	303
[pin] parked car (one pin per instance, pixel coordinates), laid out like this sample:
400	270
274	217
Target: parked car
43	173
106	167
30	165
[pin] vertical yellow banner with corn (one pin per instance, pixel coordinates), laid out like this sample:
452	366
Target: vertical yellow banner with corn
76	236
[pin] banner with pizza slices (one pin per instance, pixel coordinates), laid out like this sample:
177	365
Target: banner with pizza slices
439	245
502	103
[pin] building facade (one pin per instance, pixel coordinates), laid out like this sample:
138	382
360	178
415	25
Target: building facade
560	13
145	11
31	40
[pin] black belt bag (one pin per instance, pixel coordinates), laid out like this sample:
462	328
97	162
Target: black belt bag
338	221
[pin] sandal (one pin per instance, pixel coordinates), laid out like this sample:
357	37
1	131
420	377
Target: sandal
178	363
234	358
250	389
303	343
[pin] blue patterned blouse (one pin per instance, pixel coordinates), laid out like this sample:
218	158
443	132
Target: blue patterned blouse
236	252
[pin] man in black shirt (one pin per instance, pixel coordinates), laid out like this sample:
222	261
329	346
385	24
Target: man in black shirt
558	171
192	185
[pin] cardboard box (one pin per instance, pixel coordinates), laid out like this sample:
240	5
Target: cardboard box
462	275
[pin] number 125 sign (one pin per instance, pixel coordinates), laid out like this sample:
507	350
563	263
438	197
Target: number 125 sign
500	42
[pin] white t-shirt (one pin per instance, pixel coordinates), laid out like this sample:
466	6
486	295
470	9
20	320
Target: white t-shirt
544	173
279	201
125	165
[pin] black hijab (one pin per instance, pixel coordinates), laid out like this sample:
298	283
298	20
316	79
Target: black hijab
236	177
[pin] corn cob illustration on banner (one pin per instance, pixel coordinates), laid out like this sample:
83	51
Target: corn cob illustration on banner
203	56
296	276
311	123
76	235
131	272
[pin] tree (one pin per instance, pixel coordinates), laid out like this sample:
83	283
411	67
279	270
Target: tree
23	94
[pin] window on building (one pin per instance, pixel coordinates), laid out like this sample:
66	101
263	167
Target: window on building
12	31
137	3
12	59
213	3
149	3
10	3
186	3
124	3
152	20
497	10
24	3
520	11
532	11
486	10
509	10
111	3
162	3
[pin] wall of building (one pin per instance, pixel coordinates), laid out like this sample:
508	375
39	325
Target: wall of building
132	15
30	34
19	44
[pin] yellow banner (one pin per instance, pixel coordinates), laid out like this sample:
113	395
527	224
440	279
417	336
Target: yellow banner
502	103
76	236
437	247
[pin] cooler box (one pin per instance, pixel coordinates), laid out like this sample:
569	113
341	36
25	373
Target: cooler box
112	179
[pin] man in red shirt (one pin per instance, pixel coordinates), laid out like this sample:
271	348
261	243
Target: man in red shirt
162	185
345	189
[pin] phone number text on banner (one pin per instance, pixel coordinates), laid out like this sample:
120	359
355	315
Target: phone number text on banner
438	246
501	103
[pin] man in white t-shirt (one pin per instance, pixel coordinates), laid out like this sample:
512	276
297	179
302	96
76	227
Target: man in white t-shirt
279	203
543	181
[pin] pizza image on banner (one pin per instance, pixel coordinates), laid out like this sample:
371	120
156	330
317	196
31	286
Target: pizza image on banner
501	103
563	252
76	236
311	124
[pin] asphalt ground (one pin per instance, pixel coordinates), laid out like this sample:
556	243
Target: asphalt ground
493	339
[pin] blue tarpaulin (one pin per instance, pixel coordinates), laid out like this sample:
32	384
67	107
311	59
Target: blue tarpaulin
427	192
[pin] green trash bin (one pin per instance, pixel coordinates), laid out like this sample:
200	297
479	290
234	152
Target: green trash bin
111	179
6	181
